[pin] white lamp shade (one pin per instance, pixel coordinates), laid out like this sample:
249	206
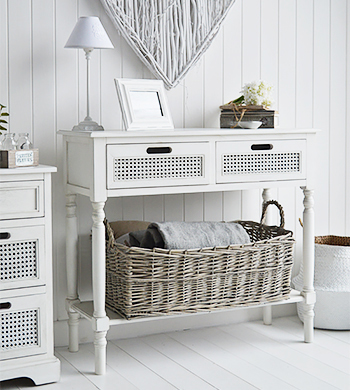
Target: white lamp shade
89	33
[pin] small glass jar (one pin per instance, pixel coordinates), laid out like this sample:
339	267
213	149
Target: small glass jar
9	142
24	142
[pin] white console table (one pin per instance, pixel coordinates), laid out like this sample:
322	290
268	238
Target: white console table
106	164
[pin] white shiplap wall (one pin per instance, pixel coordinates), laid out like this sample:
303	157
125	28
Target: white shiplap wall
299	46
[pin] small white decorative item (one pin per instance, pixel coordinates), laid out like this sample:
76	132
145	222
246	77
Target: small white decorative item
169	36
249	124
88	34
144	104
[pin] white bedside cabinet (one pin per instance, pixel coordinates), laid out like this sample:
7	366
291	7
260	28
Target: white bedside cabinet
26	275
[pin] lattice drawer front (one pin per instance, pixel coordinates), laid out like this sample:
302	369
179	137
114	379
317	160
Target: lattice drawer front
261	163
19	329
18	260
151	168
23	322
22	257
158	165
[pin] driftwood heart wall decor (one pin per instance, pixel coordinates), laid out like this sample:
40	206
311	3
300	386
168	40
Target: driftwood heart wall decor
169	36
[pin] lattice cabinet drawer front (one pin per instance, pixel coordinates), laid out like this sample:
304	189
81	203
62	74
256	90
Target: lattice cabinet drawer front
262	160
21	199
22	257
22	330
151	165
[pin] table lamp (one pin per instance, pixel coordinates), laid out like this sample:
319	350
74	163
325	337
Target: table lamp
88	34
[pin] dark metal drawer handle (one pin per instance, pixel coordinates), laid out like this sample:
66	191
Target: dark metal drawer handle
262	147
5	305
5	236
159	150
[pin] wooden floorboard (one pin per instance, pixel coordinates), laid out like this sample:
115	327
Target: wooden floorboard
238	356
231	362
162	365
263	361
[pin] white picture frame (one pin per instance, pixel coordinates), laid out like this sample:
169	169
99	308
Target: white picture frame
144	104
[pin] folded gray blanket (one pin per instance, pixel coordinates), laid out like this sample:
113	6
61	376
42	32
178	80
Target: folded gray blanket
189	235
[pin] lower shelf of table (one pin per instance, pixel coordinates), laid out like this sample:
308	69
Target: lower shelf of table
86	310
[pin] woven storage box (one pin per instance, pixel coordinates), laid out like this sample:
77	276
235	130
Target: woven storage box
231	114
331	283
19	158
150	282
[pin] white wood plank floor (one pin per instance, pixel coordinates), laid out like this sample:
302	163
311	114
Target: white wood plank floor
239	356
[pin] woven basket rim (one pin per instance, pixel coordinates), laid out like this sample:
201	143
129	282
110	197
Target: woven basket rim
286	236
250	246
332	240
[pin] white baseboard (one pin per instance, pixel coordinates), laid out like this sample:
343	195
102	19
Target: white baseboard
129	330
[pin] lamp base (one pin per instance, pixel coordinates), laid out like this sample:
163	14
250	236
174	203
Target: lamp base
88	125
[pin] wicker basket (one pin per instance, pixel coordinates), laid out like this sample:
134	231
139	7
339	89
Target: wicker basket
152	282
331	283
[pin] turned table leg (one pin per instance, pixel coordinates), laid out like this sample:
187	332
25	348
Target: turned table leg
72	270
308	265
100	321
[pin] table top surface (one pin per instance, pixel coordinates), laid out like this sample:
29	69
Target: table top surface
186	132
21	170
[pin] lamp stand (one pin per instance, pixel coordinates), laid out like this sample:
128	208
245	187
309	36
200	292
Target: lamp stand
88	124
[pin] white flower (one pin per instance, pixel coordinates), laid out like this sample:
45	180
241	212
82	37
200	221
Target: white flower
257	94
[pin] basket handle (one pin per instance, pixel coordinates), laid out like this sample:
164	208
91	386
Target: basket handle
264	211
109	234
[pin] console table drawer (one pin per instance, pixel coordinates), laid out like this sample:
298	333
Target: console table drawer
245	161
151	165
22	257
22	326
21	199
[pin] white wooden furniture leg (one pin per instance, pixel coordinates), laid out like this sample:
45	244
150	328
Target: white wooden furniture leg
100	322
308	264
267	315
267	309
72	270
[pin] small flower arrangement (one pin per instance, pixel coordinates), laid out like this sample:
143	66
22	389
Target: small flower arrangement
256	93
252	106
2	121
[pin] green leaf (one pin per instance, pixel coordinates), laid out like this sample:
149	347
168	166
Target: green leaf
3	121
238	100
2	128
4	114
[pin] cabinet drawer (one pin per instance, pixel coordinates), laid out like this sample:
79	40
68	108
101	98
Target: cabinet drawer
21	199
22	326
22	257
151	165
261	160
